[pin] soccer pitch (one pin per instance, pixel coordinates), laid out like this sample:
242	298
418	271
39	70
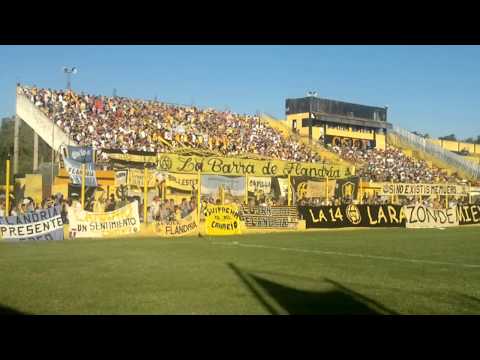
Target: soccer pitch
374	271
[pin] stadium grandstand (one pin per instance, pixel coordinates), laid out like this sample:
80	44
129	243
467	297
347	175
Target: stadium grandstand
150	126
358	134
129	134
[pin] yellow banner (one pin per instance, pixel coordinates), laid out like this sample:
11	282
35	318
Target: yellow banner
115	223
236	166
316	189
222	220
136	178
182	182
183	227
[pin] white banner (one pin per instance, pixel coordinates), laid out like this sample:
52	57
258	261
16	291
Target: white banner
93	225
419	216
45	224
260	183
423	189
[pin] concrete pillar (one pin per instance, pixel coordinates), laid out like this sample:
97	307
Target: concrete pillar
35	151
15	144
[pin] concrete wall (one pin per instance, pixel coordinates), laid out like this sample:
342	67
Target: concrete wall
456	145
34	187
380	142
41	124
450	145
298	118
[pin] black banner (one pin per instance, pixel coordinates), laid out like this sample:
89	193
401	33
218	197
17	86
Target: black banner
269	217
353	216
363	144
347	188
468	214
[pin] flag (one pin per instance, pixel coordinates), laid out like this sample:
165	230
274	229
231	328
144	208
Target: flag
347	187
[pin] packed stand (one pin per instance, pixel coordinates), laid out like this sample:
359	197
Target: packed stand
392	165
127	124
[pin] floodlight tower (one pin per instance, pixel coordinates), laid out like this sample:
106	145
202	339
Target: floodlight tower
68	72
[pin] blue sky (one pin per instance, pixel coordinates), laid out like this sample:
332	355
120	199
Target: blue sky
434	89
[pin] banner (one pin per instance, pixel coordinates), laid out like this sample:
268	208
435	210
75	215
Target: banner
269	217
419	216
181	182
363	144
45	224
115	223
222	220
468	214
80	153
353	216
259	184
347	188
234	166
121	178
183	227
423	189
304	188
233	188
74	169
136	178
280	186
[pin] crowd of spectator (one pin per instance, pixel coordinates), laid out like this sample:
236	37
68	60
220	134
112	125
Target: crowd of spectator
151	126
166	211
26	205
392	164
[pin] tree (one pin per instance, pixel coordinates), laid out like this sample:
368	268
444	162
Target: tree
472	140
25	148
451	137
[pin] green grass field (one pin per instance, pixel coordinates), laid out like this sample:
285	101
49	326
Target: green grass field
377	271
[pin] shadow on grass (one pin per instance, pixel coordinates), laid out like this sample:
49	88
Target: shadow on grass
5	310
341	300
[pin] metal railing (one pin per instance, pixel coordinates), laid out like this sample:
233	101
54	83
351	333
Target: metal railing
452	159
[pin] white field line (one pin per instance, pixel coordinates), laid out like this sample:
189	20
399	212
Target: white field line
365	256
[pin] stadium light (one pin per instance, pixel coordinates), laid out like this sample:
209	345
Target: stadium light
68	72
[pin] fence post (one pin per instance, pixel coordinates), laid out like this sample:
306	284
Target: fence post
83	186
361	190
246	189
326	187
198	195
391	196
289	191
145	193
7	188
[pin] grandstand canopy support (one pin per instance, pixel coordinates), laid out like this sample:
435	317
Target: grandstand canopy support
16	144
